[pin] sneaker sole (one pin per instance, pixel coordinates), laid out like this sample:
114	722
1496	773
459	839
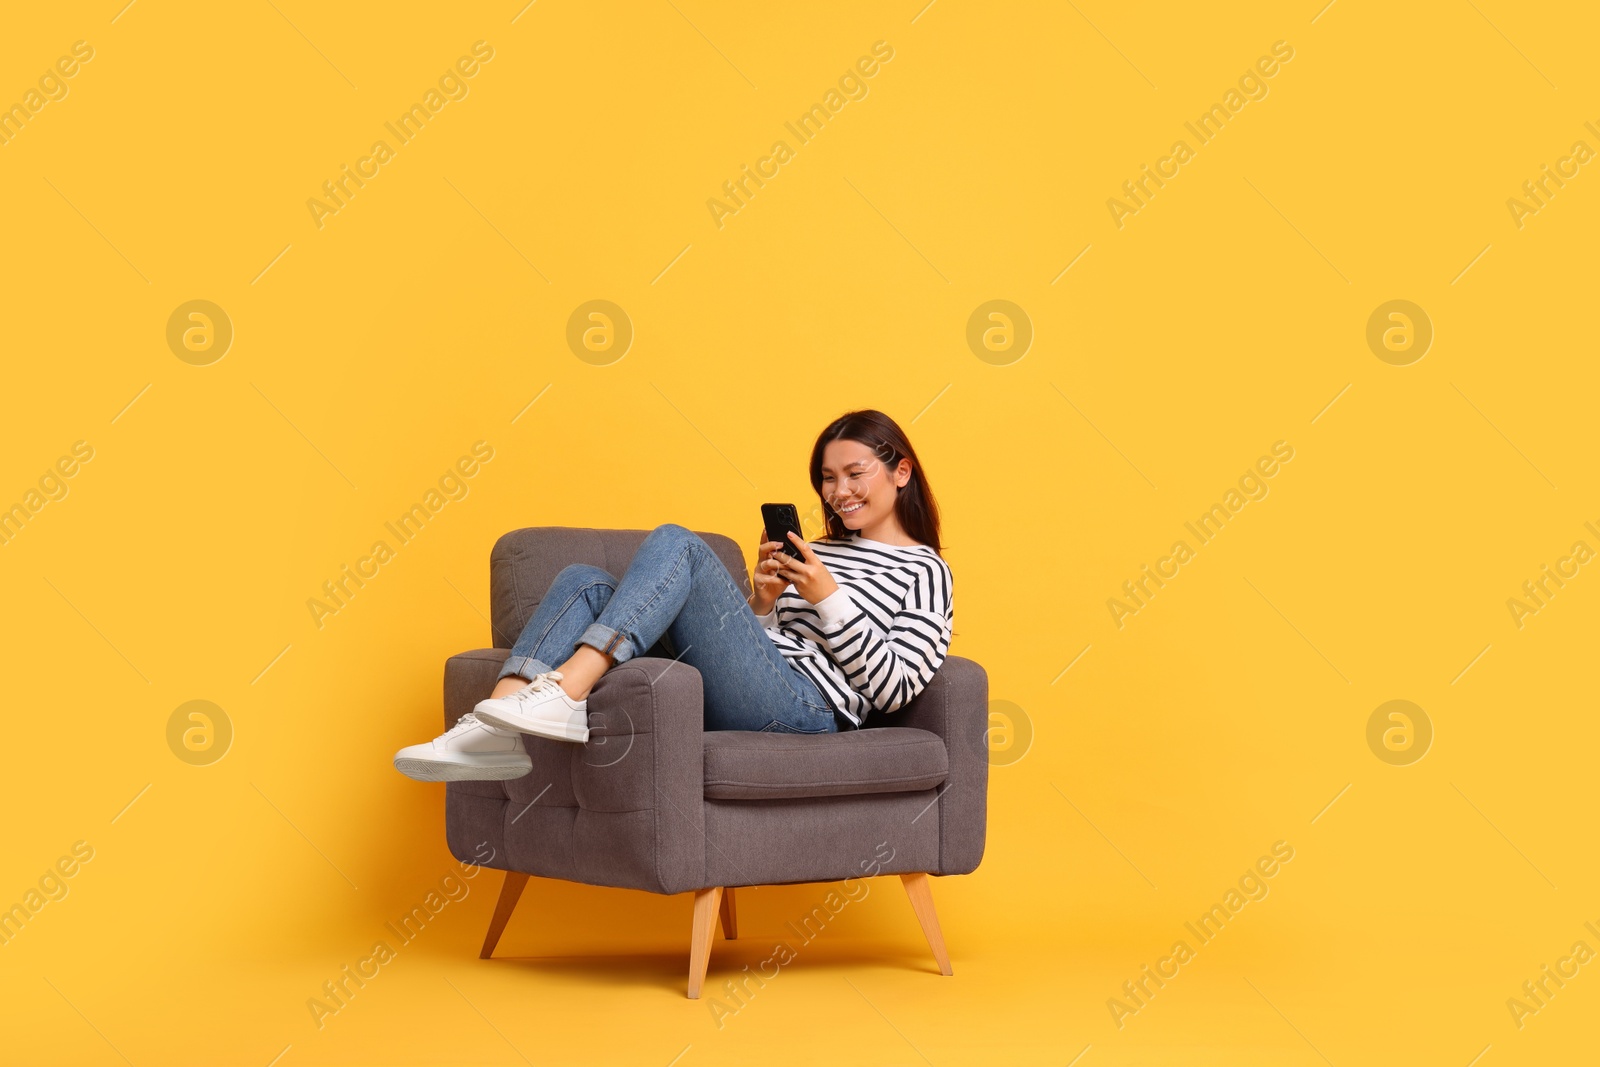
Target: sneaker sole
426	770
555	731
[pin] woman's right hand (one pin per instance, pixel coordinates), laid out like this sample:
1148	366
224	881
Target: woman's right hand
768	586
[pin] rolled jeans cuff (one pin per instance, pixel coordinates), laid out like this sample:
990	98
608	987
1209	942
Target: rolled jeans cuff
610	641
523	667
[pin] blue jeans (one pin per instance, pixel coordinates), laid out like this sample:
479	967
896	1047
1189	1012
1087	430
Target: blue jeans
678	592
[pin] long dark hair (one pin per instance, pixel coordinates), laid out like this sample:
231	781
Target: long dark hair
914	506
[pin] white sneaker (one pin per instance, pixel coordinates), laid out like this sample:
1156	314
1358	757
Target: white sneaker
469	751
541	708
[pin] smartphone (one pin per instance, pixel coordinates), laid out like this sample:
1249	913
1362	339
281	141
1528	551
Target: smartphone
779	519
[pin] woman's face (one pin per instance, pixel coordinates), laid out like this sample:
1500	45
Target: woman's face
858	486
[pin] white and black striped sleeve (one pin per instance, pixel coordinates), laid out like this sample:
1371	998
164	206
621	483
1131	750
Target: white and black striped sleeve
890	668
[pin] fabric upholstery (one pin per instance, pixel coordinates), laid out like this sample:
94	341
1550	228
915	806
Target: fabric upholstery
524	562
750	765
955	705
654	801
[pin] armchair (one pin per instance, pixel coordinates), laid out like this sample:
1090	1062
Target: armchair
654	801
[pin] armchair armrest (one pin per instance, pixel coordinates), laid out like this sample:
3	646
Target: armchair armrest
635	789
955	705
645	757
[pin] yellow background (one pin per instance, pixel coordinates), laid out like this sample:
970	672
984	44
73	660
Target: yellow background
428	313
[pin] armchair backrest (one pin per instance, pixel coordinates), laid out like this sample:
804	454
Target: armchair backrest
524	562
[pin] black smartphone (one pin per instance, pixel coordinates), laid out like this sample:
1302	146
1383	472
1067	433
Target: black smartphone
779	519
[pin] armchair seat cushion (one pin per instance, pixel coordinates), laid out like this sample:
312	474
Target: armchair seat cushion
759	765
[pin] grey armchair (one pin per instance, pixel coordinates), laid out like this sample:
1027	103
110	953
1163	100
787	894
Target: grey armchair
654	801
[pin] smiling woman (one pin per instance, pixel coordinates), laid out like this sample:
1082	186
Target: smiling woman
871	634
858	624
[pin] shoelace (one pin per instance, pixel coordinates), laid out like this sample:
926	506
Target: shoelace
538	685
466	721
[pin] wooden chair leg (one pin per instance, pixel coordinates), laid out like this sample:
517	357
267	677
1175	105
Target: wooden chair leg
730	920
920	891
510	890
706	902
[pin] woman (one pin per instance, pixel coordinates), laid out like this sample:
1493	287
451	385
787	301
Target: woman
856	627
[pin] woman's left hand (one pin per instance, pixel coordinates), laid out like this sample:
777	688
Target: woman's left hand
809	575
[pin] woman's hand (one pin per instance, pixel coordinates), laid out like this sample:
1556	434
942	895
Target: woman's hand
809	575
768	585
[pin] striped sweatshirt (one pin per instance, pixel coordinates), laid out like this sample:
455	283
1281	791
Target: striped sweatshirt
875	642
